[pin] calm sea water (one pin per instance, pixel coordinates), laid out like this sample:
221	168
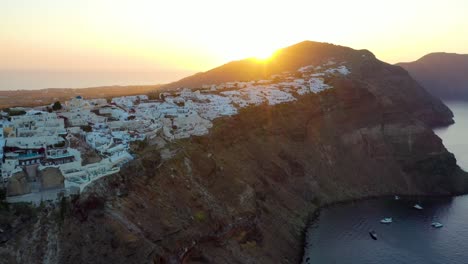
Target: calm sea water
31	80
455	137
341	233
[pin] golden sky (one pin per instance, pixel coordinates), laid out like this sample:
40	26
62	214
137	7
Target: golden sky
192	36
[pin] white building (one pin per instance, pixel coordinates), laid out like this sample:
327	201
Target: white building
78	103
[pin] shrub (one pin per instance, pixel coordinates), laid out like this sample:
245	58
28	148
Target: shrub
63	208
59	145
25	210
3	203
86	128
16	112
57	106
200	216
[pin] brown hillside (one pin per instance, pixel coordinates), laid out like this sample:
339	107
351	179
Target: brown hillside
288	59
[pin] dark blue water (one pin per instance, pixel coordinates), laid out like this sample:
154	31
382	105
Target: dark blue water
340	234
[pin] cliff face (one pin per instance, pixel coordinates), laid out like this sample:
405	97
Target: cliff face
244	192
442	74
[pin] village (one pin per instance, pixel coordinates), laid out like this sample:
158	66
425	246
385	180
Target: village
60	149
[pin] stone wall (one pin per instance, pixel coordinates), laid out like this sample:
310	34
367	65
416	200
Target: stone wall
51	178
18	184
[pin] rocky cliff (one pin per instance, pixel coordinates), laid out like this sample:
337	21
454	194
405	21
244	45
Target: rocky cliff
244	192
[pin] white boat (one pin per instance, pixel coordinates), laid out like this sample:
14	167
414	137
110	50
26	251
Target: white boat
387	220
437	224
417	206
397	197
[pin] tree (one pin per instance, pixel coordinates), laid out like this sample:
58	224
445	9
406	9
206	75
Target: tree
2	194
3	203
57	106
16	112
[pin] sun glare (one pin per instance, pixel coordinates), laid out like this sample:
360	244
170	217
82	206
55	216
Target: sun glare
264	56
259	51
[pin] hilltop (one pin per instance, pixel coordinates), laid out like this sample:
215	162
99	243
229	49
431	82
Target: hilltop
363	63
442	74
287	59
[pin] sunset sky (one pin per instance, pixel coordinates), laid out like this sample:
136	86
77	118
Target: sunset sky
159	41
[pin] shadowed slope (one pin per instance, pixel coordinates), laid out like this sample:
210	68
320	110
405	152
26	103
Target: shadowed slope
442	74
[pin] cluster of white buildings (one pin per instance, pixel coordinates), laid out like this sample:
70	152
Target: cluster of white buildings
27	139
38	140
41	139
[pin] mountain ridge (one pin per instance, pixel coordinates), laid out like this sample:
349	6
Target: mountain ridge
285	59
442	74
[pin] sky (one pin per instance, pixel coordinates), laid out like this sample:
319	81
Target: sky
58	43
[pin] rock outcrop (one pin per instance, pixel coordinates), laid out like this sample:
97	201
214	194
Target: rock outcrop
244	192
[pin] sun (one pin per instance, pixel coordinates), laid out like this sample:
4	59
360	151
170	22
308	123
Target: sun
264	55
260	53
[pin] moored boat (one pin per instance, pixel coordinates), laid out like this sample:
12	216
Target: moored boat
387	220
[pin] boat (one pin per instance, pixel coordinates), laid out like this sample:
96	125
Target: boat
397	197
387	220
373	234
437	224
417	206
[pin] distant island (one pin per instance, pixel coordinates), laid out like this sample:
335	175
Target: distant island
443	74
42	97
